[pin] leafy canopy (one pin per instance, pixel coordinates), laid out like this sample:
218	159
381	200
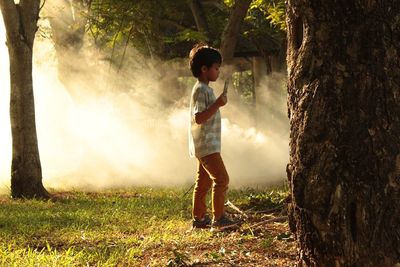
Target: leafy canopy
167	29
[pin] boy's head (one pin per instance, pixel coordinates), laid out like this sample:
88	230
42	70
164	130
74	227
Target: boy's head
203	55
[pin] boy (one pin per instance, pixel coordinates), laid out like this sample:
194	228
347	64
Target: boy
205	140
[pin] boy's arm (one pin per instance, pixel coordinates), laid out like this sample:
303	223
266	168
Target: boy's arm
202	117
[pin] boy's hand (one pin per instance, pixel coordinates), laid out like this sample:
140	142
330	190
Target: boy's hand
203	116
222	100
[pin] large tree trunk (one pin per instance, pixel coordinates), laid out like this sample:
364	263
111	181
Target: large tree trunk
344	96
21	24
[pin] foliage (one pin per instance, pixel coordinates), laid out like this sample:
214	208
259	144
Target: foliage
267	241
187	35
264	27
179	259
169	30
114	21
274	11
277	16
244	85
152	31
229	3
266	200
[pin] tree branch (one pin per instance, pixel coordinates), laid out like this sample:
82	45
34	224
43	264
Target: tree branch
215	3
234	207
30	15
232	29
276	219
10	17
44	2
198	15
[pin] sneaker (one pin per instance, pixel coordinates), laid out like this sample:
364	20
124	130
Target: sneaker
224	223
204	223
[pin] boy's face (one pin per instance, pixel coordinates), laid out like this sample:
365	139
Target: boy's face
212	72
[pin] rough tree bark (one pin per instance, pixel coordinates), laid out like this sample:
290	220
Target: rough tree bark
344	110
20	21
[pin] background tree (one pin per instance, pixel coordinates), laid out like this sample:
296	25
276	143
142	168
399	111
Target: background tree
169	31
161	32
269	40
253	31
344	87
68	22
199	16
231	32
20	21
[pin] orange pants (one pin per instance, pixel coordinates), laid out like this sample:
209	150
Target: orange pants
211	172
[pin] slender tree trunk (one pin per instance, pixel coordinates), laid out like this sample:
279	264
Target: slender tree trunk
20	21
344	109
199	16
231	33
260	70
229	40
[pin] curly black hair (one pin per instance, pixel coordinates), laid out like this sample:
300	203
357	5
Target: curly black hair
203	55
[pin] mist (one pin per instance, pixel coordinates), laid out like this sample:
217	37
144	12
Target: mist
119	132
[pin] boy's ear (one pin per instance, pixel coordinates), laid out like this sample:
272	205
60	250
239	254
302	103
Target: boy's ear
204	68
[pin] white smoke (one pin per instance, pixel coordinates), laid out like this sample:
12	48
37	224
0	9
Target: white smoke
125	136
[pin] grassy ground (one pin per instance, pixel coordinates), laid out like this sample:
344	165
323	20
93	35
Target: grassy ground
139	227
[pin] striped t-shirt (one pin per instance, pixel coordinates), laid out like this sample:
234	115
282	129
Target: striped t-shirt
205	138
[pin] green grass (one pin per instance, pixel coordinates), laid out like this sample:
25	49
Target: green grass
111	228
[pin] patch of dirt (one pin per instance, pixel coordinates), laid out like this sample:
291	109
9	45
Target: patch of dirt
263	240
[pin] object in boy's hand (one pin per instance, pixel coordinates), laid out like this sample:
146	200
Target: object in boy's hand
226	86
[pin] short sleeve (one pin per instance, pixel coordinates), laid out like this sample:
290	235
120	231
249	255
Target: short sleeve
199	100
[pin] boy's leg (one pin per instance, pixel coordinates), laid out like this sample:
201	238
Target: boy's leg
215	167
203	184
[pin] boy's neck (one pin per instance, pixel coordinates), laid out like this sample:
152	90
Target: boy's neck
203	80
